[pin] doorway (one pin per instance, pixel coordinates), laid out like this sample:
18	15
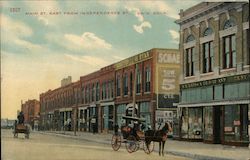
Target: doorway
217	124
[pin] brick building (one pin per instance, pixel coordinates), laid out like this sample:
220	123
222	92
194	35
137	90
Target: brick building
99	99
31	111
214	82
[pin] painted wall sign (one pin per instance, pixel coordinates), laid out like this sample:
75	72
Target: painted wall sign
132	60
169	57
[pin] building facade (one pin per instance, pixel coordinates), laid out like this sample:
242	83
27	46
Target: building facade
31	111
148	81
215	80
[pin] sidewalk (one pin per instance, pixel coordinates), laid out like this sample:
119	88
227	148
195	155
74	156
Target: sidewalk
193	150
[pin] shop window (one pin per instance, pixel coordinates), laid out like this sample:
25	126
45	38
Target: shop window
232	123
195	129
184	123
208	123
245	111
145	113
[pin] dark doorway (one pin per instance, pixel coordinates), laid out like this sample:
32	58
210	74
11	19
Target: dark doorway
217	124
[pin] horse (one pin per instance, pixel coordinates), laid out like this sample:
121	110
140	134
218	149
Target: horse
158	136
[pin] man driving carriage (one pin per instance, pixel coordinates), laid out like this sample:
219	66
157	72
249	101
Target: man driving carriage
20	118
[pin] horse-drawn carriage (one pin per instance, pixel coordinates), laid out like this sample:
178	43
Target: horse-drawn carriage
21	128
132	136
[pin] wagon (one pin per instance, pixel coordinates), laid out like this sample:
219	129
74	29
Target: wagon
21	128
133	137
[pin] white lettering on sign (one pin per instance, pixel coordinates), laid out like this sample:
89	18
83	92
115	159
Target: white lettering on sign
168	58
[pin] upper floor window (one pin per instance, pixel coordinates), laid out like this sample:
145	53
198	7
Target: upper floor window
118	86
189	57
97	91
125	84
147	79
190	38
229	47
104	96
229	23
138	81
93	92
207	32
208	54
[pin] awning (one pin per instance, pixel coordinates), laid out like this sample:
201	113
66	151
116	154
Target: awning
215	103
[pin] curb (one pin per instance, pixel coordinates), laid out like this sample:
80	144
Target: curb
175	153
196	156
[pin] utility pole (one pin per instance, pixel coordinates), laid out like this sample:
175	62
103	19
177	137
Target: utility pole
134	90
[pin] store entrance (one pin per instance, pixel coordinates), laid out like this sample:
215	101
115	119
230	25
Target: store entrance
217	124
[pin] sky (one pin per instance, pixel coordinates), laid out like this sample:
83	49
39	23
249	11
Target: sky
43	42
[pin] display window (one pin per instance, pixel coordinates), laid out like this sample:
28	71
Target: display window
208	123
195	130
232	123
184	123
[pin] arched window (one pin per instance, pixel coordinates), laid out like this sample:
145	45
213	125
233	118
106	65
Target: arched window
229	23
207	32
190	38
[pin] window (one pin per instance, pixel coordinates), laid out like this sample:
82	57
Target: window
112	89
229	51
190	61
208	54
232	123
190	38
93	93
147	79
125	84
138	82
229	47
104	90
131	83
208	57
248	47
97	91
118	86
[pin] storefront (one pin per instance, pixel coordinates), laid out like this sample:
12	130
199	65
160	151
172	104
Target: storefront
144	112
120	111
225	124
93	119
107	116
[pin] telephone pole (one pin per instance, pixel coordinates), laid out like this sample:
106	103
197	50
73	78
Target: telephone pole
134	90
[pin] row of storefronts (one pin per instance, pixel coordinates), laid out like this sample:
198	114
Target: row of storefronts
202	88
98	101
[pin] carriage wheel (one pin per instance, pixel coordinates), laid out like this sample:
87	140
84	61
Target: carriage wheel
116	142
131	144
148	149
